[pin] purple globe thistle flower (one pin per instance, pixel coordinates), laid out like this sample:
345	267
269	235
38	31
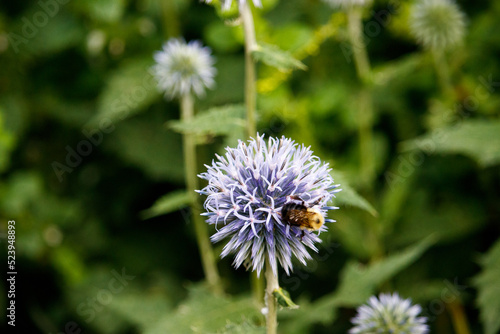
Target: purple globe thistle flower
246	191
389	314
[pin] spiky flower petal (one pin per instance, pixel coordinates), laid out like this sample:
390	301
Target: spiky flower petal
246	191
226	4
182	68
389	314
345	4
437	24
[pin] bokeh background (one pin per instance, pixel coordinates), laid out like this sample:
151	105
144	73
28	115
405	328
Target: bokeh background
422	219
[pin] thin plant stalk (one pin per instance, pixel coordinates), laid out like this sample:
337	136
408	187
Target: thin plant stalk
365	118
271	304
365	133
170	19
365	114
206	252
250	76
442	71
459	318
250	104
355	29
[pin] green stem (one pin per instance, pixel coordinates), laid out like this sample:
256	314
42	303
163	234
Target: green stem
207	255
365	118
272	307
459	318
250	104
443	72
250	86
170	19
365	133
355	28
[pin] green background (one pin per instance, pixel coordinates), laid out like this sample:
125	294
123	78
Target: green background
424	223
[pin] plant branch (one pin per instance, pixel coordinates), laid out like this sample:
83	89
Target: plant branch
365	118
207	255
355	28
443	72
250	76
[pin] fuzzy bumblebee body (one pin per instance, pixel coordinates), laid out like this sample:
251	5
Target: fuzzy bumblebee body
297	214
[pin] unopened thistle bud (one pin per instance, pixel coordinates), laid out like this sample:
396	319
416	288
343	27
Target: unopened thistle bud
183	69
346	4
226	4
389	314
437	24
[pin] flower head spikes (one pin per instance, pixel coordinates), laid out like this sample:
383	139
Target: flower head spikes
345	4
246	191
437	24
182	68
389	314
226	4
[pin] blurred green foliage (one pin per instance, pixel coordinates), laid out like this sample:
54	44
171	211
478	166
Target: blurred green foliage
89	147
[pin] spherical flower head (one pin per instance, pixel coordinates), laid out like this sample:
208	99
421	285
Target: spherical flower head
183	69
247	190
346	4
226	4
389	314
437	24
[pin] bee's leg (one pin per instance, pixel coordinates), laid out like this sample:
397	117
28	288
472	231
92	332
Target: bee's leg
316	202
302	235
297	198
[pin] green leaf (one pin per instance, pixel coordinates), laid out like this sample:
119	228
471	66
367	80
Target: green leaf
143	142
221	37
232	138
213	122
397	70
283	298
292	36
486	282
61	32
453	218
275	57
108	11
69	265
301	321
7	143
230	87
478	139
204	312
96	281
357	283
395	194
349	196
140	307
129	90
168	203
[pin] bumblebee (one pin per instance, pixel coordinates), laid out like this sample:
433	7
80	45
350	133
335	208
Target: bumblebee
297	213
